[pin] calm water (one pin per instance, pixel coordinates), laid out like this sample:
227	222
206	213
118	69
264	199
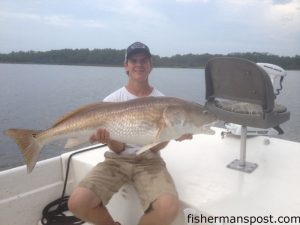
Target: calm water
33	96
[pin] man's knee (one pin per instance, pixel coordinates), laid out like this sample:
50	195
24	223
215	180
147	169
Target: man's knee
74	204
81	201
167	206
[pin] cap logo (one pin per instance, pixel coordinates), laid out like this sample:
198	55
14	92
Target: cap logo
136	47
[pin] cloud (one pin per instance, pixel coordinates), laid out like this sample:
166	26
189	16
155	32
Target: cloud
53	20
266	14
69	21
192	1
141	10
285	17
18	16
280	2
186	25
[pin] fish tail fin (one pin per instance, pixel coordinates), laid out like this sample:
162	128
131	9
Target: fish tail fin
29	144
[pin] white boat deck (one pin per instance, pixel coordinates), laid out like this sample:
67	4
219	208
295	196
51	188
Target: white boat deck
207	185
199	170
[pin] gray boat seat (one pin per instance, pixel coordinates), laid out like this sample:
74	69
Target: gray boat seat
238	91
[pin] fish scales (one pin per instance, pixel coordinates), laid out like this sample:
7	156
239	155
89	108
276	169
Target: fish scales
134	122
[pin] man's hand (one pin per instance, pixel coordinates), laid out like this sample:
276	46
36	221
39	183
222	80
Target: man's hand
103	136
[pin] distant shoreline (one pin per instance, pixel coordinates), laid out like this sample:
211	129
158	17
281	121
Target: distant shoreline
115	58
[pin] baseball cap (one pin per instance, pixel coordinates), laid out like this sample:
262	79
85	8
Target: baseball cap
137	47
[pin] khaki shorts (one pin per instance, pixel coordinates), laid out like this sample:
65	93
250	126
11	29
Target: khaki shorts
147	172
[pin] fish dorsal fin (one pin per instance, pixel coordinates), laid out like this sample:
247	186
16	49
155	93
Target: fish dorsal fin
83	109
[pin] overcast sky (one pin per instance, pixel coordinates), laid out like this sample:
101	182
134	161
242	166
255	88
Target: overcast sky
168	27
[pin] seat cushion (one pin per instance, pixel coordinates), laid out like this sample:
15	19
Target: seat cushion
245	107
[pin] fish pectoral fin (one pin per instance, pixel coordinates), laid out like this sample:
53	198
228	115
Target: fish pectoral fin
174	115
161	126
145	148
74	142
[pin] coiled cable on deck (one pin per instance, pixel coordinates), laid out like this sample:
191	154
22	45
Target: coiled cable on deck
53	213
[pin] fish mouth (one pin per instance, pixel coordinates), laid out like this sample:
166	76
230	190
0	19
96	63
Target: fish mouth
207	128
211	124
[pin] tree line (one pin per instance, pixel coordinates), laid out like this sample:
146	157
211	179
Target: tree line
113	57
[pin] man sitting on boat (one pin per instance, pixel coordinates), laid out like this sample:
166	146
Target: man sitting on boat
147	172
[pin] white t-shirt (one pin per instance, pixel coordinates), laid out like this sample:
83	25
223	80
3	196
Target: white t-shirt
122	95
